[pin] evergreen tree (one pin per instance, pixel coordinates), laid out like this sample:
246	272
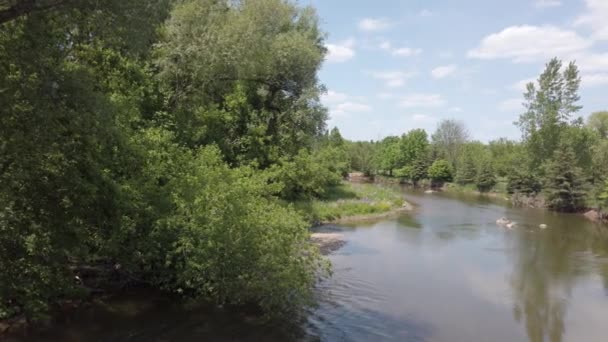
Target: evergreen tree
467	171
419	169
440	172
564	183
485	178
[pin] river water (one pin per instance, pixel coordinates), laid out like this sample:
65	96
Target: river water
445	272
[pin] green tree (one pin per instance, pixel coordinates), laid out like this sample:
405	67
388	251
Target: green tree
505	154
362	155
603	199
440	171
413	145
598	122
419	169
255	92
564	184
486	179
549	109
389	156
467	170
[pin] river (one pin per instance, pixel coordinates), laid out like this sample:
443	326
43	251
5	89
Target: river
445	272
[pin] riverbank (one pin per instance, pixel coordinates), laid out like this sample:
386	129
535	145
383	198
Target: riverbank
353	202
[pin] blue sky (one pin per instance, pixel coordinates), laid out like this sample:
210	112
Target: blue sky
397	65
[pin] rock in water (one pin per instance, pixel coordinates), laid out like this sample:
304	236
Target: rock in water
503	221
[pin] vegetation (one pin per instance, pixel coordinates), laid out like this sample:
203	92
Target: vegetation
159	141
183	144
346	200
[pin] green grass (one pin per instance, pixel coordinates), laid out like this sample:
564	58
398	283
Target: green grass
350	199
499	188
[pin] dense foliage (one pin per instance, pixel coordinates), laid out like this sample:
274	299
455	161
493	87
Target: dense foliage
157	141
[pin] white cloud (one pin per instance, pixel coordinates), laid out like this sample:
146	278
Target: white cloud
530	43
374	24
443	71
511	105
342	105
421	100
594	80
592	61
425	13
595	18
341	51
421	118
348	107
406	52
455	110
393	78
547	3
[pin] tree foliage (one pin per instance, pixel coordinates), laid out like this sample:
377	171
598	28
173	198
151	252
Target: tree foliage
449	136
549	109
485	179
440	171
564	185
164	155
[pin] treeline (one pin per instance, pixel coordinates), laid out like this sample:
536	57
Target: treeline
561	157
159	143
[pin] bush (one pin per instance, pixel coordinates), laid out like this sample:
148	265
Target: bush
229	241
440	171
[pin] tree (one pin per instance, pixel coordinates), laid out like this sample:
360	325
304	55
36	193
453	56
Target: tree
504	153
449	137
549	109
440	171
564	186
485	180
466	173
255	93
389	157
362	155
598	122
413	146
603	199
523	181
419	169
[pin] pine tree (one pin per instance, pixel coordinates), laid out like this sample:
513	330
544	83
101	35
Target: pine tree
485	178
564	182
467	171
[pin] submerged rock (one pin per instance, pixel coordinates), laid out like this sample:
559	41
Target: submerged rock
328	242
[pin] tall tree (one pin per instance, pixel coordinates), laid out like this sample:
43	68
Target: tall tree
449	137
549	109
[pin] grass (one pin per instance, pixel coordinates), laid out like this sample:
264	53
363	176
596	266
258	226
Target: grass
499	188
351	200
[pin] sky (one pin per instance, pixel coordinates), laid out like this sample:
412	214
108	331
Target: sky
393	66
